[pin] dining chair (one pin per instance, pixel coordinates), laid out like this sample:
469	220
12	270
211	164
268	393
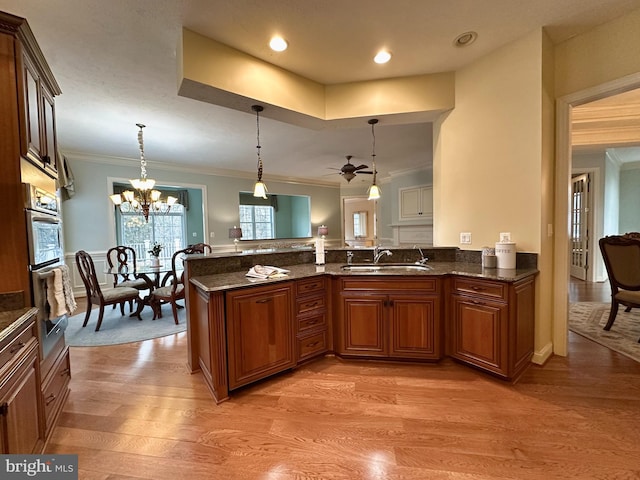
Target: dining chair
122	260
172	288
621	256
95	295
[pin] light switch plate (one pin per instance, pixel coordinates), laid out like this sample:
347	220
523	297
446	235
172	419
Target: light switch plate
465	238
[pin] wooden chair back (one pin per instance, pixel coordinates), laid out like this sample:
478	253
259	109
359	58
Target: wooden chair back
87	272
123	260
621	254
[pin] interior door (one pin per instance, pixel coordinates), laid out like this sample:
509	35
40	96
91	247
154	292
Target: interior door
580	225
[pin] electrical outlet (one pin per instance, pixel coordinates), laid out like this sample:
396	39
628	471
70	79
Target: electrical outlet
505	237
465	238
195	234
212	234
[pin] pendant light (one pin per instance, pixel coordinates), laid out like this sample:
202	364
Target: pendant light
374	190
259	189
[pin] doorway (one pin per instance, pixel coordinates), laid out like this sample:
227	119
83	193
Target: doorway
562	240
581	214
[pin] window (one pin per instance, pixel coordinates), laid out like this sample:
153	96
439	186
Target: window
359	224
166	229
256	222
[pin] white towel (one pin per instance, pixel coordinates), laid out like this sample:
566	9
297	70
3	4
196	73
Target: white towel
59	293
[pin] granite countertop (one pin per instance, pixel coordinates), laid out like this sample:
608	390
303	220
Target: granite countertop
231	280
12	320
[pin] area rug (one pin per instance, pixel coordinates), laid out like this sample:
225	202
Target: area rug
117	329
588	319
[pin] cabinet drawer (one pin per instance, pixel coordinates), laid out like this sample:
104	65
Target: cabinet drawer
310	285
18	345
312	321
312	345
391	284
54	390
309	305
483	288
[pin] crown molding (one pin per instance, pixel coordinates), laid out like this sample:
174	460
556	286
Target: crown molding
217	172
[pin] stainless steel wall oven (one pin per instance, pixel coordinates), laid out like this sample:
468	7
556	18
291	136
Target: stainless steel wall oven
46	253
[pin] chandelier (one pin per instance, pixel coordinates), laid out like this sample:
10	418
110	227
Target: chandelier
374	190
144	199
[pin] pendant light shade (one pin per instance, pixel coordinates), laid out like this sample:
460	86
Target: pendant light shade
259	189
374	190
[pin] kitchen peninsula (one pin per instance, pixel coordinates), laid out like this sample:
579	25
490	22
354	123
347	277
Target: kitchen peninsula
242	330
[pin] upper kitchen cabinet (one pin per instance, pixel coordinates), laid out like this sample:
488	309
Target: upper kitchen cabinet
36	89
27	130
416	203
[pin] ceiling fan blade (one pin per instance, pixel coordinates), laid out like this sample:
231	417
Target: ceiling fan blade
365	171
360	167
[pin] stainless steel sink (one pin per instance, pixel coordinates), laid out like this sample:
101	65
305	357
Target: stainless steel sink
386	267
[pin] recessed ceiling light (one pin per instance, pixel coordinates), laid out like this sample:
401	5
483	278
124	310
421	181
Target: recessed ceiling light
278	44
383	56
465	39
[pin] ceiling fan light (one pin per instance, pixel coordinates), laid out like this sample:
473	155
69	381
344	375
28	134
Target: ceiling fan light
349	176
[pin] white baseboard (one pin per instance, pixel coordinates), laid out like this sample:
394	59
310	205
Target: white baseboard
542	355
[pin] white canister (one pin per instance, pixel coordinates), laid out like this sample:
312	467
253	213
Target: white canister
506	254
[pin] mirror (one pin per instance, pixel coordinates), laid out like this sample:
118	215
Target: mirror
276	217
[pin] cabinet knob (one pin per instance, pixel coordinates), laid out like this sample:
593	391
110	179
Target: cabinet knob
46	159
264	300
49	399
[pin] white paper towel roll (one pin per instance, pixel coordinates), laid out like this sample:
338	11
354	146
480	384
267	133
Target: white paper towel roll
319	251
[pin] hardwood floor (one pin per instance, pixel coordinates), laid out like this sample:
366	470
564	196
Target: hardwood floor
135	413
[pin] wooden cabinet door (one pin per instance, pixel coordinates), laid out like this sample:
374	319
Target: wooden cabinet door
260	333
362	328
415	327
479	333
20	420
31	137
49	156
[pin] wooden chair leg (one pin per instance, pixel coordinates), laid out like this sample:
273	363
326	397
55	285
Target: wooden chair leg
612	315
174	308
88	314
627	310
100	318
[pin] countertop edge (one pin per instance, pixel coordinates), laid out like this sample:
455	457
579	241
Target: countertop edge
13	320
234	280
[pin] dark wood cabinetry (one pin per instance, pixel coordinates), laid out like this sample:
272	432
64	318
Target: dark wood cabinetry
492	324
21	422
392	317
27	130
36	93
260	333
312	337
55	389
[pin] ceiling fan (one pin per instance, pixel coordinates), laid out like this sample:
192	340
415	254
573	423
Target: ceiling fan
349	170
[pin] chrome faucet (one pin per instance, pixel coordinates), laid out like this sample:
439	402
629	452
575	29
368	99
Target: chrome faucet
349	257
423	260
377	253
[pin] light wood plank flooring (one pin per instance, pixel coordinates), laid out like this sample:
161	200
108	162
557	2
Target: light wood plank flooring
135	413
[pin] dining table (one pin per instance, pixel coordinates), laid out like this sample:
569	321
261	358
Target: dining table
153	275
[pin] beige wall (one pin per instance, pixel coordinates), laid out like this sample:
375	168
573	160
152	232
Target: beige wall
487	165
603	54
